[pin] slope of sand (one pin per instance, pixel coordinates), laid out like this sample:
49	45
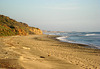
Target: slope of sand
45	52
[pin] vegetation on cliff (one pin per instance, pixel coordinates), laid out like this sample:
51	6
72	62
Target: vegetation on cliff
10	26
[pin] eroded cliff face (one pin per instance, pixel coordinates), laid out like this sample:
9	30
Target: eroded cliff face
34	30
9	26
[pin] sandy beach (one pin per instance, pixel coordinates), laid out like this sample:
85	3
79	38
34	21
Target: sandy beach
45	52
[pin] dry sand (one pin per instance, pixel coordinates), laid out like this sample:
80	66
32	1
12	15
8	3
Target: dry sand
45	52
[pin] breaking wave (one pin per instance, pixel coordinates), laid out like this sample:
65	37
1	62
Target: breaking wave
91	34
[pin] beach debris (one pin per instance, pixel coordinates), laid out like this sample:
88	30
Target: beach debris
42	57
17	42
26	48
49	55
6	52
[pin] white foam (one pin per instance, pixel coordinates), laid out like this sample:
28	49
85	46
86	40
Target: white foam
62	38
90	34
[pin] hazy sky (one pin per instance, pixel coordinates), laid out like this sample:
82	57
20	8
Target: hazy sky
59	15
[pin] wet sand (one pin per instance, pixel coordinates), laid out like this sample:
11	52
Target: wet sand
45	52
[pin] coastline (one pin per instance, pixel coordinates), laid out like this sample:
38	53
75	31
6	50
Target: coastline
46	52
81	44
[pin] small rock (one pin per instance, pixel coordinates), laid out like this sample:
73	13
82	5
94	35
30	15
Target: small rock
42	57
48	55
17	42
6	53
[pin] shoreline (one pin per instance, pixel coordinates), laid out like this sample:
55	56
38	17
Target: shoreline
45	52
82	44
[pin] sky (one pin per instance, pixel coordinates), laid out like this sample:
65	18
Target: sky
55	15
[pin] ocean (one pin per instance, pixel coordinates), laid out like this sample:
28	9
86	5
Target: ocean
92	39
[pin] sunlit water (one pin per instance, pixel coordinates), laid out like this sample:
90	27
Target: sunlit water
89	38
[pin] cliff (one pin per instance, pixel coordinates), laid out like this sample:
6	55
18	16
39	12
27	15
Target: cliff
10	26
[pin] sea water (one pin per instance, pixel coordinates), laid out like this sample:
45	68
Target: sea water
89	38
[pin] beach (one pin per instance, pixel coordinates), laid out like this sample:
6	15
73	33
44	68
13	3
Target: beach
45	52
